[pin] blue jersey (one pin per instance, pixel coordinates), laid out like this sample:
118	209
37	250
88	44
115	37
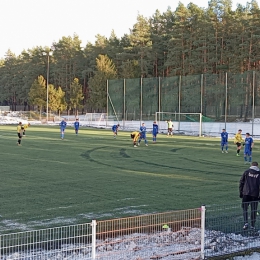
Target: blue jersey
224	137
248	143
155	129
76	125
143	131
114	128
63	125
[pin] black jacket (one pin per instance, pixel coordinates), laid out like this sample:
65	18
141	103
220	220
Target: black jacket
250	182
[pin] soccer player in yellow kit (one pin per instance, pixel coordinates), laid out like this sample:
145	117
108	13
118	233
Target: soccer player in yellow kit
238	141
19	133
135	136
25	127
170	127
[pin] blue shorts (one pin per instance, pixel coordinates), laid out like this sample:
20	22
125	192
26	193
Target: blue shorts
154	134
224	143
248	152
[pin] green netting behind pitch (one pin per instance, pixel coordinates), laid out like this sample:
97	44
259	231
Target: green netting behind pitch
150	98
213	96
132	99
115	100
190	94
257	94
223	97
169	90
239	96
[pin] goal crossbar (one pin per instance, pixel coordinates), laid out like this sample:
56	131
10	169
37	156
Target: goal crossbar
177	117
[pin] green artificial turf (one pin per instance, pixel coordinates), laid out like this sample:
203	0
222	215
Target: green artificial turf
52	182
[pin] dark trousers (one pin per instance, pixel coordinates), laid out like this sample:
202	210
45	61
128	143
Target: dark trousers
253	202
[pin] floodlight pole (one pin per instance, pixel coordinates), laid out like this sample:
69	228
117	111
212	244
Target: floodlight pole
47	83
47	53
226	100
253	103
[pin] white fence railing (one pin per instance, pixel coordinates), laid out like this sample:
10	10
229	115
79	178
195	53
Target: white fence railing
183	235
170	235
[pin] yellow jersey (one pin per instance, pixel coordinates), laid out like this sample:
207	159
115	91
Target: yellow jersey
170	124
136	135
25	126
238	138
19	129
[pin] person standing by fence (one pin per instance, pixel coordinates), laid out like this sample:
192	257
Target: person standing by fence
249	193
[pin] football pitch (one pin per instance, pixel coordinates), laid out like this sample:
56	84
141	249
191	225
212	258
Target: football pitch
50	182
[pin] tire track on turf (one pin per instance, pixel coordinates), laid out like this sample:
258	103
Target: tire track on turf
122	152
87	153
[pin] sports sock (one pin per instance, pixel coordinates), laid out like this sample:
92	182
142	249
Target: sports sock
238	150
245	159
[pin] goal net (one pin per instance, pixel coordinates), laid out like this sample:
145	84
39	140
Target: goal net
184	123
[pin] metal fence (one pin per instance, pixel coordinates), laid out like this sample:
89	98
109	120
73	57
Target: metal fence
157	236
170	235
68	242
201	233
223	97
224	234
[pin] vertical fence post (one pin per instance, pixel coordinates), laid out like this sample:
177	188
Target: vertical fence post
201	93
179	103
226	99
107	103
141	102
159	96
200	131
94	234
253	103
124	107
201	103
203	217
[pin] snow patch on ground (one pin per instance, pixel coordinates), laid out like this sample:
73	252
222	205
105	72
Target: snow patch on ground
254	256
166	245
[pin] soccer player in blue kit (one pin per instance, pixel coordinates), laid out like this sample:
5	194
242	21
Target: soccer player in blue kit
63	125
76	126
155	131
224	141
249	143
115	129
143	134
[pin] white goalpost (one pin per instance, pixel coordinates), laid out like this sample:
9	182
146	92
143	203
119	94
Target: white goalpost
187	123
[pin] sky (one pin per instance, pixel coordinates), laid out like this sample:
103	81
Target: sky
25	24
